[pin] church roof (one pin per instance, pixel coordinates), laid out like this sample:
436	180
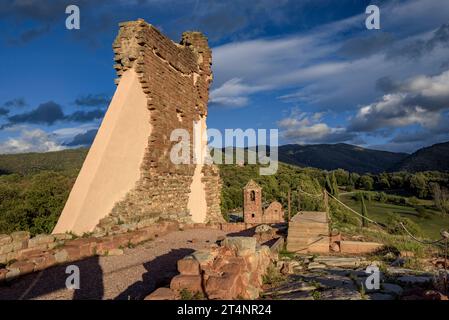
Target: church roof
252	185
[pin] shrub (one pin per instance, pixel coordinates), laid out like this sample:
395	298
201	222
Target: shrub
393	224
382	197
342	215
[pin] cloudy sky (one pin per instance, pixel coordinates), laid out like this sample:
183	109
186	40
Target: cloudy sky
307	67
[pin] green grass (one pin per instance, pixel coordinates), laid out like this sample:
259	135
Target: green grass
378	212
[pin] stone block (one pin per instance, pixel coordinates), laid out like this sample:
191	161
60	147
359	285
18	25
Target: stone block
12	274
242	245
61	256
204	257
224	287
115	252
5	239
3	273
12	256
85	246
20	235
24	267
19	244
43	262
187	282
7	248
63	236
189	266
357	247
73	253
40	239
30	252
162	294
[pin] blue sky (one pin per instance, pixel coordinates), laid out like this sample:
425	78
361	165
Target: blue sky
309	68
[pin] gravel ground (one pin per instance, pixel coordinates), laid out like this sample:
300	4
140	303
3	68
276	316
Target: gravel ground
133	275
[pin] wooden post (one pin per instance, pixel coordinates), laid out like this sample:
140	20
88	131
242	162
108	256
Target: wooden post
326	202
299	201
289	204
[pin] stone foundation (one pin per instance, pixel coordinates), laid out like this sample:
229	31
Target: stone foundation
20	254
232	271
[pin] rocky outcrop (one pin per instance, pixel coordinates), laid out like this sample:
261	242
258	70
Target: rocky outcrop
231	271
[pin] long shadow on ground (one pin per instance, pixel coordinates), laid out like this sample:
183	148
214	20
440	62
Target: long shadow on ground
53	279
159	273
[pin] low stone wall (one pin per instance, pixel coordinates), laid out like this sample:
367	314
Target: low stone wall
20	254
17	244
231	271
25	255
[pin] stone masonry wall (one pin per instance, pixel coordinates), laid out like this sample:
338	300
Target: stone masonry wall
175	78
20	254
274	213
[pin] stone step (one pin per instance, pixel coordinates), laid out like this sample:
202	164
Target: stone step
313	248
308	239
310	217
308	230
308	224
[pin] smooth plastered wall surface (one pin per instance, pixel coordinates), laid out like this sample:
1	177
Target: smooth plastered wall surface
112	166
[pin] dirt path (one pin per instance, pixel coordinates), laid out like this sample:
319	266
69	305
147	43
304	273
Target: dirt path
132	275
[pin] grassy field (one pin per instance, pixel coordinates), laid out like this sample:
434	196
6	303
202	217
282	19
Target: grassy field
378	212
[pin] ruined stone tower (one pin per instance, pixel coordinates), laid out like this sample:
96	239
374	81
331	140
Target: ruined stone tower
252	202
254	210
128	176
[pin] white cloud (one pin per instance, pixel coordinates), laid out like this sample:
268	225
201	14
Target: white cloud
34	140
233	93
311	67
420	100
67	134
306	127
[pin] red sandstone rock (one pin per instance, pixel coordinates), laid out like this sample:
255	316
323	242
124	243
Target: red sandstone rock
86	246
3	273
233	268
73	253
43	262
24	267
189	283
162	294
189	266
335	247
27	253
224	287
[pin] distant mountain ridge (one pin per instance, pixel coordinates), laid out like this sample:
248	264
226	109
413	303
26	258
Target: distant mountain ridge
433	158
322	156
341	155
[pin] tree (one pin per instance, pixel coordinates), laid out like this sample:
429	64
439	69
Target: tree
440	197
366	182
342	177
328	185
418	184
331	185
364	211
351	183
334	185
